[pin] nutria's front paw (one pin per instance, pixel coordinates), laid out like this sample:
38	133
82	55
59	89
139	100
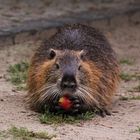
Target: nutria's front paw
76	105
74	109
54	107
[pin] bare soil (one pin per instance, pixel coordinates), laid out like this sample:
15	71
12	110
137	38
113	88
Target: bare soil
125	118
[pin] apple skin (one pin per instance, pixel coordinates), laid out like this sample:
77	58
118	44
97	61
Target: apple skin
65	103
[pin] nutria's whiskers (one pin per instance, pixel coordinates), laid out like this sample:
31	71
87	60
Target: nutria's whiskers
86	95
47	93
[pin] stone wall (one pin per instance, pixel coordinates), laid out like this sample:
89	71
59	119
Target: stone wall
22	20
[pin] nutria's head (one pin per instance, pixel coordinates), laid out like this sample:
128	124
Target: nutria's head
66	72
67	68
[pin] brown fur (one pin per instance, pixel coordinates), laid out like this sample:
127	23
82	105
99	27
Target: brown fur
100	70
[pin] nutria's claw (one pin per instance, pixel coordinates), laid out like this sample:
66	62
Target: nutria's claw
76	108
75	111
73	98
103	112
76	101
77	105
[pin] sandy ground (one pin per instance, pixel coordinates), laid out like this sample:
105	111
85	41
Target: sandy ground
125	118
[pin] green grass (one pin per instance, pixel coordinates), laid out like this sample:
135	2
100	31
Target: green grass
127	61
138	129
49	118
128	77
18	74
129	98
135	98
3	135
24	134
137	88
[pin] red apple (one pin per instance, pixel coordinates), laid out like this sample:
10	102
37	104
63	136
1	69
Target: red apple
65	103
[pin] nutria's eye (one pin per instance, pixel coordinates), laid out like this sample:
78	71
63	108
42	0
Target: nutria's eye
52	54
82	54
57	66
79	68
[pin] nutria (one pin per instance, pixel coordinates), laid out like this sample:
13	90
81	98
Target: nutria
77	61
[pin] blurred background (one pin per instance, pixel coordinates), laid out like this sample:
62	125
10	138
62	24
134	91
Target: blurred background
24	24
34	16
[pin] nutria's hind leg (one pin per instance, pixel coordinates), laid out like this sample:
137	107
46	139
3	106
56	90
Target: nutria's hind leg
103	112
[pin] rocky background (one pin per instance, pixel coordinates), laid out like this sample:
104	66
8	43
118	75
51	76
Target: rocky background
30	17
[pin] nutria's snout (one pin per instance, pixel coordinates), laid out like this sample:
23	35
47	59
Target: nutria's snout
68	82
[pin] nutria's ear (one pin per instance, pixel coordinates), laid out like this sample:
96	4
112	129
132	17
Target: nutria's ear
51	54
82	53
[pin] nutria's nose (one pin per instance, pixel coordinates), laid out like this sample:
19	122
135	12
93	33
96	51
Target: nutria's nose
68	82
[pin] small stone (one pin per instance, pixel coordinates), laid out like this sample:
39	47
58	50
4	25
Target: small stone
2	100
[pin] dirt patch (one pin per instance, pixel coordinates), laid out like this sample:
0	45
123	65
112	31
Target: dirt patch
123	122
